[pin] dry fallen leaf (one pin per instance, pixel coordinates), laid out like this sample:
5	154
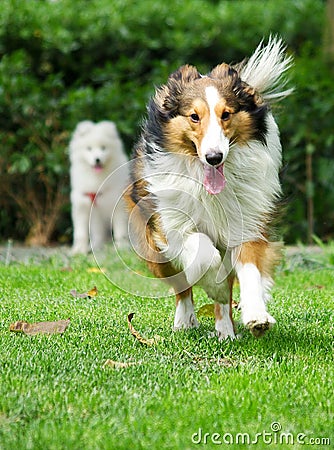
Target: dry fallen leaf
89	294
119	365
206	310
92	292
315	286
96	270
66	269
40	327
137	335
209	309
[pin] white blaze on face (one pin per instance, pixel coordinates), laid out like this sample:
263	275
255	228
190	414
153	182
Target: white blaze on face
213	143
214	140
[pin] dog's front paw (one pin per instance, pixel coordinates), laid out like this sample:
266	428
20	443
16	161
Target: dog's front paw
183	322
259	324
79	249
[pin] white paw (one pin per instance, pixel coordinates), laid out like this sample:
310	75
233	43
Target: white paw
185	322
96	246
258	323
215	334
225	337
80	248
224	324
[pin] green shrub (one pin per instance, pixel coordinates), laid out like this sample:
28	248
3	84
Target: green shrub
65	61
308	133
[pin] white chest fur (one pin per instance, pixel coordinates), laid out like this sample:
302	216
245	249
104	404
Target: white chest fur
235	215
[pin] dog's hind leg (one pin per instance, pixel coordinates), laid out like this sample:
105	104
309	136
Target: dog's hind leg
185	314
223	314
253	264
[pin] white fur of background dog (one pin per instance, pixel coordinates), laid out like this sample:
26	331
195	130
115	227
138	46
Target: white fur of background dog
96	151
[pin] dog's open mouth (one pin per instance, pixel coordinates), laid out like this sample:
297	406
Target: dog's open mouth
98	167
214	179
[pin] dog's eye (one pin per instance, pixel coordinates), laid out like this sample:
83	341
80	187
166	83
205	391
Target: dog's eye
89	148
226	115
194	117
103	147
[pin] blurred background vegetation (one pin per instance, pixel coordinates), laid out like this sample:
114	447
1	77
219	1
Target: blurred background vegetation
69	60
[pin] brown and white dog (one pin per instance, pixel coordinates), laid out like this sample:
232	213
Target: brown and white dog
204	186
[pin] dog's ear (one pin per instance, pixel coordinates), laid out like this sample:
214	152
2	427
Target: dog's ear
184	74
171	92
250	93
108	128
230	76
224	72
220	72
83	128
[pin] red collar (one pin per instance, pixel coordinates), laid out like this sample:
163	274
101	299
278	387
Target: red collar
92	196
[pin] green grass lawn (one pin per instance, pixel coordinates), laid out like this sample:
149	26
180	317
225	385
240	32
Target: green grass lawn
188	390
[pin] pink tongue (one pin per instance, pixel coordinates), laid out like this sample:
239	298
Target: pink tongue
98	168
214	180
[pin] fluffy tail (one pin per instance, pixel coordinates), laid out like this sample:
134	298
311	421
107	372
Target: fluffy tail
265	69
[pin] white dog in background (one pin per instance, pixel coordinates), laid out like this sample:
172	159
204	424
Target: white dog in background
98	178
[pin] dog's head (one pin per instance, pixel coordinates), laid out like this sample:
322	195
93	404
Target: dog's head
205	116
95	143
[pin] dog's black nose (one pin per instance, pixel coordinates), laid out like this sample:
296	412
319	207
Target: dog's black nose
214	158
97	161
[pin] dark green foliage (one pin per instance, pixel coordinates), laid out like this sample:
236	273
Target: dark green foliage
65	61
308	132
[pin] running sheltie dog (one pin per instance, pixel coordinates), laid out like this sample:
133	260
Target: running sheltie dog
204	184
98	176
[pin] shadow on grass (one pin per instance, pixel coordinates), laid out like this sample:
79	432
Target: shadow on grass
300	341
